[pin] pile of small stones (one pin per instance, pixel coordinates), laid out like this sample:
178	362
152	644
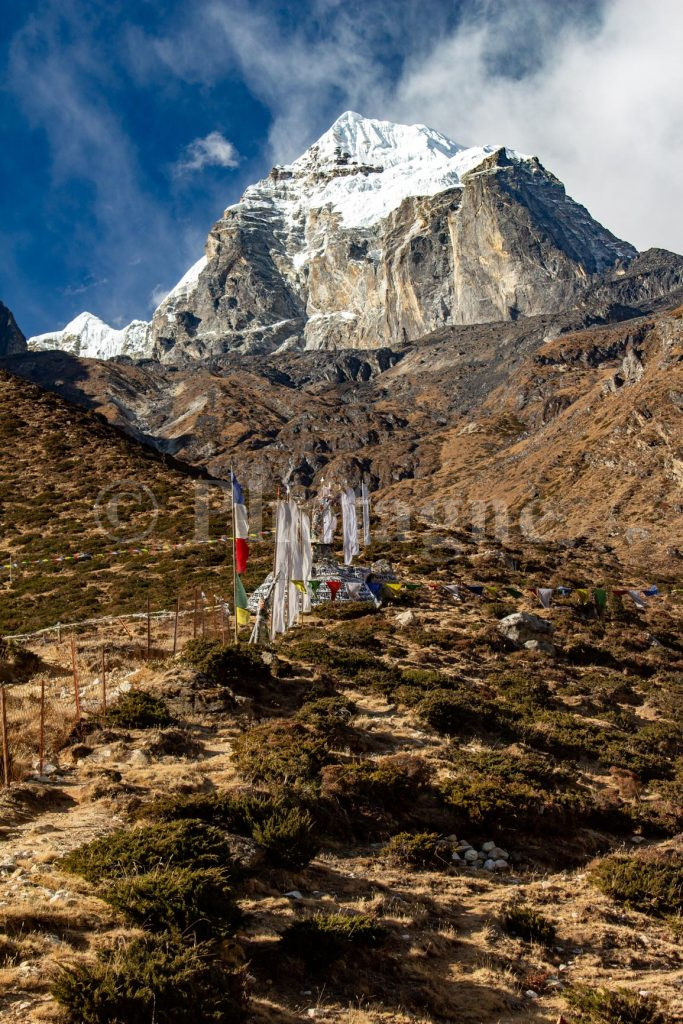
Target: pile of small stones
490	857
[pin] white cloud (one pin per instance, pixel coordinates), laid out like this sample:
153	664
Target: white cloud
214	150
157	296
602	108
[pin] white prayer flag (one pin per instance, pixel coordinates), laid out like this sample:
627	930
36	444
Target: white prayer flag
637	598
295	562
241	522
353	589
306	557
453	589
365	502
544	595
349	525
282	569
329	525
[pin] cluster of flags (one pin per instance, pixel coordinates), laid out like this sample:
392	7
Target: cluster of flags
545	594
240	523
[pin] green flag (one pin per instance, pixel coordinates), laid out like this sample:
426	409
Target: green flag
242	609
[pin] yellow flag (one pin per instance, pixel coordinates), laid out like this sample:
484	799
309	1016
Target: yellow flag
300	585
395	587
243	616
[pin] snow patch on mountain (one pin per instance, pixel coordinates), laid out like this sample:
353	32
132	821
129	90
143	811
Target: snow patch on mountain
363	169
91	338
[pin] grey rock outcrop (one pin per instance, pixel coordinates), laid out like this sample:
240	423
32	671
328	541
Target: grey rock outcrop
12	340
523	629
296	264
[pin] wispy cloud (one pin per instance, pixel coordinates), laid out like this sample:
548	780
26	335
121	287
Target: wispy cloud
214	150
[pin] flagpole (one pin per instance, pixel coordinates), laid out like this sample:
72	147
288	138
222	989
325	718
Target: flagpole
234	545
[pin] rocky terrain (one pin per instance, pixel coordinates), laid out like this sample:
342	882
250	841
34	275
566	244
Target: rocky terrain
339	808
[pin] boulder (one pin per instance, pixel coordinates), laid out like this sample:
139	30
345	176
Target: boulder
522	627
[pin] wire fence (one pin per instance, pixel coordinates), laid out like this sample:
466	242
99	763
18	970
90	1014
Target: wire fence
62	674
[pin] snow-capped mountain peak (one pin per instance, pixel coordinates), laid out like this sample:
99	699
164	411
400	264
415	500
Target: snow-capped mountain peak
91	338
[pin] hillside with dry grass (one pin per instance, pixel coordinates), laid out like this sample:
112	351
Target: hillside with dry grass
394	815
71	484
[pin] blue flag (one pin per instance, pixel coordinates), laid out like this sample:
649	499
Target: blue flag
237	494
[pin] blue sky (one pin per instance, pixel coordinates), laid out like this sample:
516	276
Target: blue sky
129	126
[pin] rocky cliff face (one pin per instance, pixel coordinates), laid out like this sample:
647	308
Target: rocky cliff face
12	340
379	234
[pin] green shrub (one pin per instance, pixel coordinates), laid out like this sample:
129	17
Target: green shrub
280	753
528	924
328	715
154	978
138	710
600	1006
389	783
198	901
464	712
233	810
287	837
238	667
652	885
324	938
417	850
177	843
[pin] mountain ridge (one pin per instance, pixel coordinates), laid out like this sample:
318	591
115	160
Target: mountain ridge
377	234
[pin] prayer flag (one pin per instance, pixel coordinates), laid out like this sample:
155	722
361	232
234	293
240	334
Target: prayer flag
412	586
365	501
242	607
353	589
349	525
637	598
475	589
513	592
651	591
453	589
240	525
333	587
393	587
545	595
282	568
306	557
314	584
563	591
600	595
300	586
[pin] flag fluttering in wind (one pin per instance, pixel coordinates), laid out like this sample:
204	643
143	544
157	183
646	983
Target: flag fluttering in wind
637	598
241	604
353	588
300	586
365	504
306	558
282	569
545	595
241	525
349	525
333	587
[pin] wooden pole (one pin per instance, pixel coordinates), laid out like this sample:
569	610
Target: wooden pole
149	629
222	623
175	624
235	571
77	696
5	745
194	618
104	683
202	616
41	755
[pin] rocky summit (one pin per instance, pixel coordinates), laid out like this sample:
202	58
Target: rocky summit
377	235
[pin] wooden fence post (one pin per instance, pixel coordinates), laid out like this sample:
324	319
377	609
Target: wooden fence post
175	624
77	696
104	682
41	755
5	745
